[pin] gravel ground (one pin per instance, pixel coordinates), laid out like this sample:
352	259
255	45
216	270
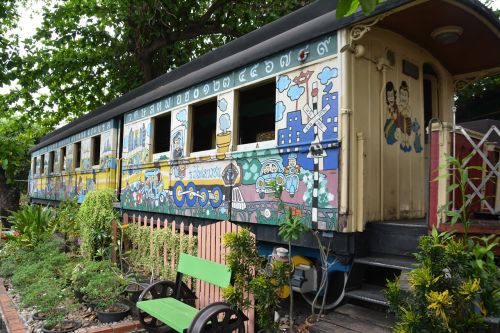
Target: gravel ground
83	314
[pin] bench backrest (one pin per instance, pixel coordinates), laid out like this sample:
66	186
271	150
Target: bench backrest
206	270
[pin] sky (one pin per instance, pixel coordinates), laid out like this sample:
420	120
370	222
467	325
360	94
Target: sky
31	18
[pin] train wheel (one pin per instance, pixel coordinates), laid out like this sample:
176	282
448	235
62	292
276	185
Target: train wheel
177	195
216	201
203	198
334	293
191	197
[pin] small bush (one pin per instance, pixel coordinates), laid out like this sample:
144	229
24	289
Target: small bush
95	219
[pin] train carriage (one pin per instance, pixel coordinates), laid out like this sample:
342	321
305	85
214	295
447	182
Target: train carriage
334	111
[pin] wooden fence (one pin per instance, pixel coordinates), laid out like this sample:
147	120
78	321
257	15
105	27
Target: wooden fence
210	247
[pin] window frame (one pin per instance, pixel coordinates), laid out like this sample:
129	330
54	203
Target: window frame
253	145
190	141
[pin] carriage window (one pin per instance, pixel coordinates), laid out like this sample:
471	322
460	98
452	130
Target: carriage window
96	150
62	161
161	132
51	162
77	151
256	116
42	164
204	117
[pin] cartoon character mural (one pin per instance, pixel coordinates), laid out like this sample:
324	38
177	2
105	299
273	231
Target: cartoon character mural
224	137
399	125
179	133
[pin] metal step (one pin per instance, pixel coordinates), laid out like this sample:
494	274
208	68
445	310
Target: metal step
388	261
398	238
369	293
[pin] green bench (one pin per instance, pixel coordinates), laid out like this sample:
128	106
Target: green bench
167	306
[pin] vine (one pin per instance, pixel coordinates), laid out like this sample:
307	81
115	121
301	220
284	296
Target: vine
147	254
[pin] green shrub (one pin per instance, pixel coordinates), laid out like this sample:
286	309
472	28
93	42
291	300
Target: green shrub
98	282
454	286
251	275
33	222
95	219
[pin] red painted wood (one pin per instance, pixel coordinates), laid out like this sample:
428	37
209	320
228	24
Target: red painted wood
433	186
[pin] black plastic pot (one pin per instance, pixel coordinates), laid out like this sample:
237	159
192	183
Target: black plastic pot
110	317
134	290
76	325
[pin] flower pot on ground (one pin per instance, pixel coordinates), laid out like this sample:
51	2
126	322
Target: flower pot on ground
134	290
114	312
63	327
105	290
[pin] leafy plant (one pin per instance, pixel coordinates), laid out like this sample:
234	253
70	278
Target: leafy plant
455	285
105	289
462	176
66	217
95	219
251	275
290	230
33	223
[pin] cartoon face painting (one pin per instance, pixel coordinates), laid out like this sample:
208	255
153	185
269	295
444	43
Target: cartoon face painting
399	125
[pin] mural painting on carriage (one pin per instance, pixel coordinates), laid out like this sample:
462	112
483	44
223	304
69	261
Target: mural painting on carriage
255	199
223	141
307	141
85	163
136	144
400	126
179	133
107	157
199	189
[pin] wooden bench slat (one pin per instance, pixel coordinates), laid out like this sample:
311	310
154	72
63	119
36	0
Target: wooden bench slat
170	311
206	270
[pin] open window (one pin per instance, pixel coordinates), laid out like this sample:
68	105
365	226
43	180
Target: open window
161	136
203	125
256	116
62	160
42	164
51	162
77	153
96	150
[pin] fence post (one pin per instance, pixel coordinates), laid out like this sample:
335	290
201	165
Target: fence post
125	240
114	242
165	246
172	250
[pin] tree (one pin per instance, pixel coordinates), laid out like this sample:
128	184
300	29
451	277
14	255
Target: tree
87	53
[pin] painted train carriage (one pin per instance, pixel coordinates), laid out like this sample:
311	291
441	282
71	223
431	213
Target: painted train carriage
333	111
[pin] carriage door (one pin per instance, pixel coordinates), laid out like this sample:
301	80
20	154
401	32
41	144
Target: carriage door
431	102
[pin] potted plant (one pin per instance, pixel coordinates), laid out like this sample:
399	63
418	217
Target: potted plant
105	290
53	304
